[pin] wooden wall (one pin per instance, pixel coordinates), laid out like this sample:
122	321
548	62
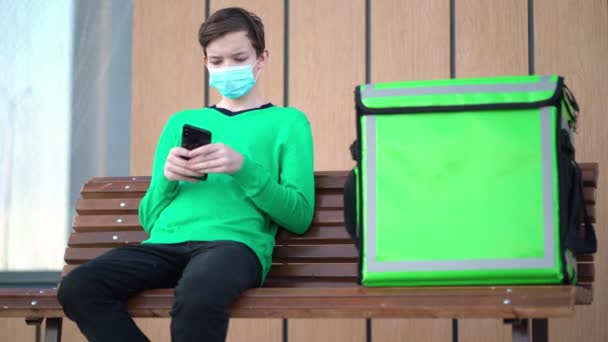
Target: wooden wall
322	46
323	49
325	57
571	38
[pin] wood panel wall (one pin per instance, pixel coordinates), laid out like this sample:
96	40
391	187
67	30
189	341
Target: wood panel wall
491	38
326	60
571	38
409	39
326	56
167	70
271	80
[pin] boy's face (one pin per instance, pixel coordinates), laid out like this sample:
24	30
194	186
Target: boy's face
233	49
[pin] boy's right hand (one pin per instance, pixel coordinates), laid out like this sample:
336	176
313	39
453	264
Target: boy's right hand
176	168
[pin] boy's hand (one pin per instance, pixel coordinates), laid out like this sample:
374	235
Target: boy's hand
176	167
215	158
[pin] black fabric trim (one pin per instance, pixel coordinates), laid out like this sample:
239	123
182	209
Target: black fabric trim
554	100
573	212
357	146
228	112
360	230
563	224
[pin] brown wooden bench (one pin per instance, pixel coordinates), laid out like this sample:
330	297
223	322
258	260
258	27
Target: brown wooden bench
313	275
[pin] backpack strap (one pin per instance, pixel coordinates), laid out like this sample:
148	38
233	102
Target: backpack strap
580	237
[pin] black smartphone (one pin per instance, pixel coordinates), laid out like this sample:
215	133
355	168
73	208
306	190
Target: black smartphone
193	137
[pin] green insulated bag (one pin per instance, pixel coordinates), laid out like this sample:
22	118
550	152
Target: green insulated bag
468	182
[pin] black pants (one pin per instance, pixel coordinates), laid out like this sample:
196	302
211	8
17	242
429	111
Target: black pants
208	277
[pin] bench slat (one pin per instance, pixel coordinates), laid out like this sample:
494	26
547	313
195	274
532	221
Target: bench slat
335	179
139	179
110	206
310	282
326	198
125	187
137	190
585	258
95	236
333	201
347	253
323	253
352	302
317	270
590	173
130	206
323	179
114	189
388	302
589	194
106	239
324	272
329	261
338	270
282	254
119	222
320	234
320	216
75	256
591	212
100	223
586	272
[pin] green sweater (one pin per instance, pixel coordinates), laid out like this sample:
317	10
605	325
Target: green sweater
274	187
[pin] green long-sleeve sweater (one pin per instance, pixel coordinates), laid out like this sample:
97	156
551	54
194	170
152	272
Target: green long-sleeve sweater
274	187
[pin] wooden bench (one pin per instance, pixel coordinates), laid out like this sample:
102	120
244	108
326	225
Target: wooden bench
313	275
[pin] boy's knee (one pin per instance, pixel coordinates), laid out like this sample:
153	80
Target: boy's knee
193	303
75	286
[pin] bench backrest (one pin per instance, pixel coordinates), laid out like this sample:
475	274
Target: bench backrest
323	257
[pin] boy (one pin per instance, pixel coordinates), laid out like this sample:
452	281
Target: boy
209	239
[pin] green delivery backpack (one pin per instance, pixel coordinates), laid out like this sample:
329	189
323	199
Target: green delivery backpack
467	182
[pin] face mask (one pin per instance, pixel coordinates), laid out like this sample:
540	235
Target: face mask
233	82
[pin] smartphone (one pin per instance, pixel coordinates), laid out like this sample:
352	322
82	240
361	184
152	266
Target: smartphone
193	137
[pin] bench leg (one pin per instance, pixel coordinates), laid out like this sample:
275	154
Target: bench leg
540	330
53	329
454	330
35	321
523	329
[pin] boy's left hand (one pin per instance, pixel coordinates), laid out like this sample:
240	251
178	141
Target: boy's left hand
215	158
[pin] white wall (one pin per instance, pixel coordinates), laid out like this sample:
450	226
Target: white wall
35	88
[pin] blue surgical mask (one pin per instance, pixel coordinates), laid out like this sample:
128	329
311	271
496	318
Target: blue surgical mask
233	82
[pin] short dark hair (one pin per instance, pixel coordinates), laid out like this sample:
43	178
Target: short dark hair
232	19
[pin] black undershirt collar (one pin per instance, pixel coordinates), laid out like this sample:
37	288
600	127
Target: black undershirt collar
231	113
